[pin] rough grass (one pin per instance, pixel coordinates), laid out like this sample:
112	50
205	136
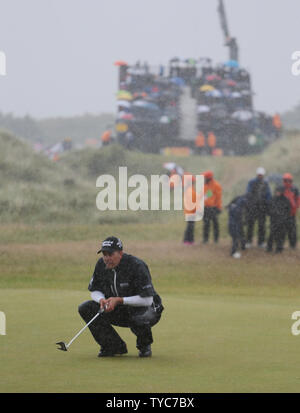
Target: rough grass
175	268
37	190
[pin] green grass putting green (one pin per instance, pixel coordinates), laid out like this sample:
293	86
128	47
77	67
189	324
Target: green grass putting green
202	344
226	327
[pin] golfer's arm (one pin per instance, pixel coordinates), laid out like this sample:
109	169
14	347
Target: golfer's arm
97	296
138	301
134	301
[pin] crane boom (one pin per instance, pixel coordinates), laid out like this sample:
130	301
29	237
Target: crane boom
229	41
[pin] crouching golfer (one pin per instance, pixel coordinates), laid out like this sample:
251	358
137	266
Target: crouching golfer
122	285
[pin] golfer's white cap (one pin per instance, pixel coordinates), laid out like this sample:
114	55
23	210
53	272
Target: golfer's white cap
260	171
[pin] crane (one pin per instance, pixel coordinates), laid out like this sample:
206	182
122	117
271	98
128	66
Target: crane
229	41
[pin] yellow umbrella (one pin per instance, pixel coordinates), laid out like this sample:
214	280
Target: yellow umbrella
124	95
206	88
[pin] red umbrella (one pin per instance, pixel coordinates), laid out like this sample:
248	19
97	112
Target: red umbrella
231	82
126	116
213	77
121	63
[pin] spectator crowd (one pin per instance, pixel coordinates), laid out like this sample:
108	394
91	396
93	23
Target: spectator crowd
275	214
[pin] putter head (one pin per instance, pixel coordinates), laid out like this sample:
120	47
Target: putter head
62	345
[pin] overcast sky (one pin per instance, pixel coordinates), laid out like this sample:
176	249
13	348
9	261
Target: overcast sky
60	53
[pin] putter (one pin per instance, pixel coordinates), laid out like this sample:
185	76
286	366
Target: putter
64	347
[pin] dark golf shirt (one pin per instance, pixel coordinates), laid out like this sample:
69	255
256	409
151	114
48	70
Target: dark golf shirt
131	277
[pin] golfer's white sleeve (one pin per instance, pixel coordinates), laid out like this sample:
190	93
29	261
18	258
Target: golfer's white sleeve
138	301
97	296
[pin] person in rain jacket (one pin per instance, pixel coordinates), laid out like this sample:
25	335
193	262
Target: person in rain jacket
291	192
236	210
259	196
191	208
212	205
279	211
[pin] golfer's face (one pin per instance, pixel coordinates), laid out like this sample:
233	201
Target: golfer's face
112	259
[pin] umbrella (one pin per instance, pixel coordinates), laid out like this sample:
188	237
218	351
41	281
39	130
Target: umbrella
172	166
125	116
124	103
203	109
214	93
121	63
145	104
169	166
242	115
206	88
236	95
211	78
231	82
231	63
139	95
246	92
164	119
124	95
177	81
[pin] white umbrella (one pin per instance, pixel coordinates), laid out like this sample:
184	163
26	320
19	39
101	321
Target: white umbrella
246	92
124	103
169	166
243	115
236	95
203	109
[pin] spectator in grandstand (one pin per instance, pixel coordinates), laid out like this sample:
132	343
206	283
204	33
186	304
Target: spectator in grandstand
200	143
276	121
211	142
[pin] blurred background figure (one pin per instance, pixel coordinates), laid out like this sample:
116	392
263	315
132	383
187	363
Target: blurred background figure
236	211
259	195
106	137
291	192
279	211
212	206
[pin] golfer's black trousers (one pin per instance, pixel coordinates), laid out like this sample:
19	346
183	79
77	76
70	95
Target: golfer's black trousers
138	319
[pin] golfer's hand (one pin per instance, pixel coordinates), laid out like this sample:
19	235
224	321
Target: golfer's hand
112	303
103	304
